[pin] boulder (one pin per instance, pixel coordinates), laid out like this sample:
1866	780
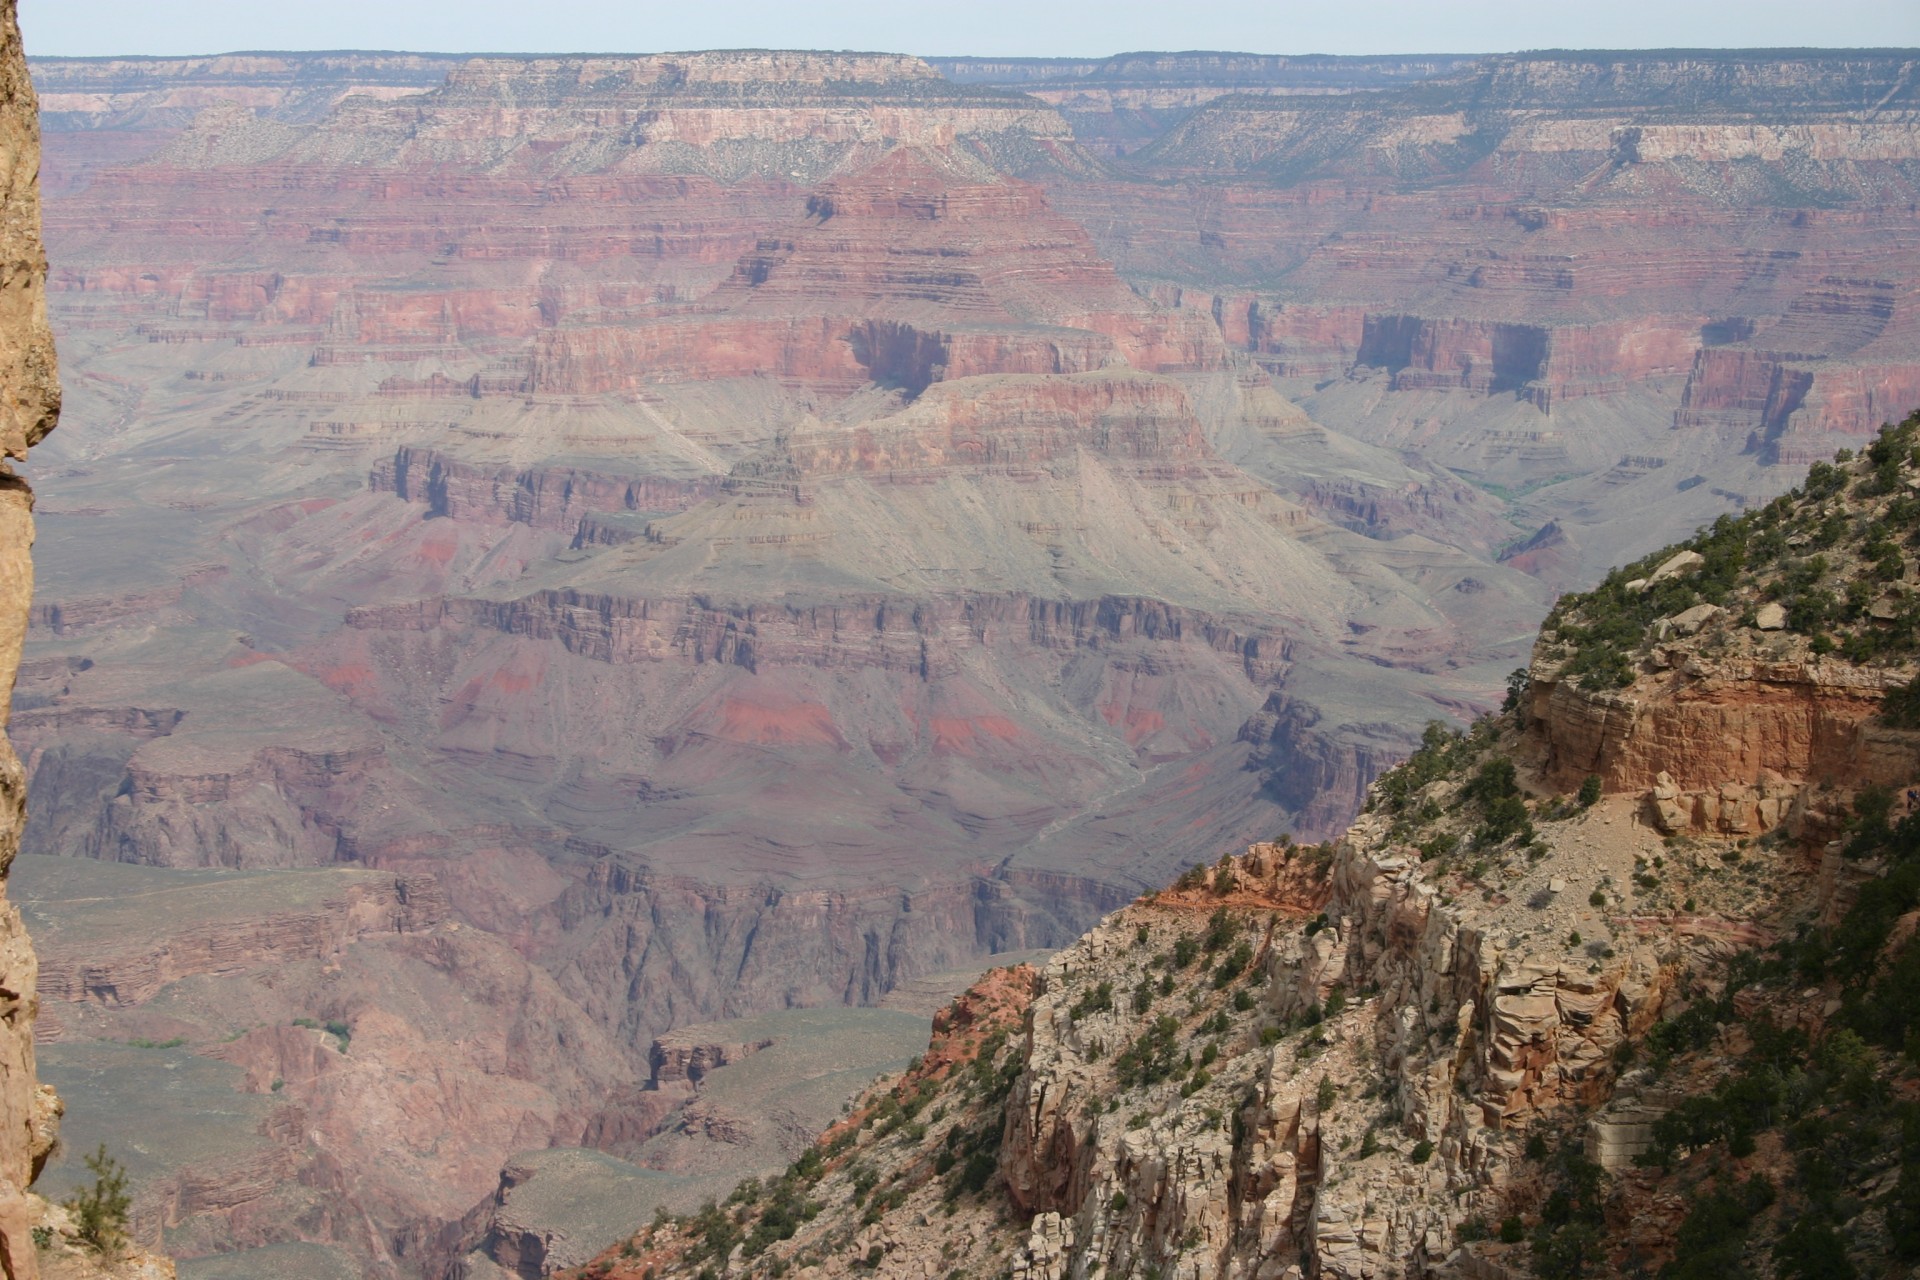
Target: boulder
1689	621
1676	564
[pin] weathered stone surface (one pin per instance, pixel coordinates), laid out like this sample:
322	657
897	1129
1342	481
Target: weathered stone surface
1718	720
1678	563
29	406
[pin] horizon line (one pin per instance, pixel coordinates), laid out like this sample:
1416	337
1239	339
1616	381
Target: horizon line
1776	51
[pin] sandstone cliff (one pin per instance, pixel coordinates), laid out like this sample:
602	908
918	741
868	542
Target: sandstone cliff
1498	1028
28	410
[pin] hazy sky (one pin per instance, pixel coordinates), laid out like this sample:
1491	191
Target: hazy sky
994	27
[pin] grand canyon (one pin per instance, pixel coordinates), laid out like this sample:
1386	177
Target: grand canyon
580	598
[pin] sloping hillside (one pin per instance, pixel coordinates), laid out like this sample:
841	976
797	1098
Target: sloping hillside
1620	981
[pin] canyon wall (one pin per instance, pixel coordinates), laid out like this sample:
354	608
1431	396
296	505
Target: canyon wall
28	410
1447	1045
724	531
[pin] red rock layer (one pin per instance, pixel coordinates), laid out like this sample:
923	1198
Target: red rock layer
1808	723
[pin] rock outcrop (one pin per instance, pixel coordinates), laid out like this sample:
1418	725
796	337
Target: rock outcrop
1736	708
1355	1059
29	407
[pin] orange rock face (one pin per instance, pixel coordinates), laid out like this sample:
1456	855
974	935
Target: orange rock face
1735	752
29	407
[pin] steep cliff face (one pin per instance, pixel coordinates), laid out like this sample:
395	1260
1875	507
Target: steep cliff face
729	114
1496	1029
28	408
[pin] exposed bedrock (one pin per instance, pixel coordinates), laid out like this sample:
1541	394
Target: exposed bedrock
553	498
922	638
1792	402
1484	1039
1543	362
1320	772
366	1063
281	806
140	968
1722	717
961	541
912	271
29	407
643	952
1018	421
1719	722
1447	512
646	940
828	354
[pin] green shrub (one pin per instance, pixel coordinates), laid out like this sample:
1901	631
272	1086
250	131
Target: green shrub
1220	930
1517	682
1152	1057
1823	480
1097	999
1812	1250
1590	791
100	1211
1494	781
1232	964
1901	708
1431	762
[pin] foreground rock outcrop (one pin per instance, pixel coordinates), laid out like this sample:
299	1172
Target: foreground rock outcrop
31	406
1503	1026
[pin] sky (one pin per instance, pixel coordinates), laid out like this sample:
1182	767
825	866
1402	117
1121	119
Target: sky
997	28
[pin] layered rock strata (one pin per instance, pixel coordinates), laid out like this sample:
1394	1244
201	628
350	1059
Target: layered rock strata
1354	1059
756	528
